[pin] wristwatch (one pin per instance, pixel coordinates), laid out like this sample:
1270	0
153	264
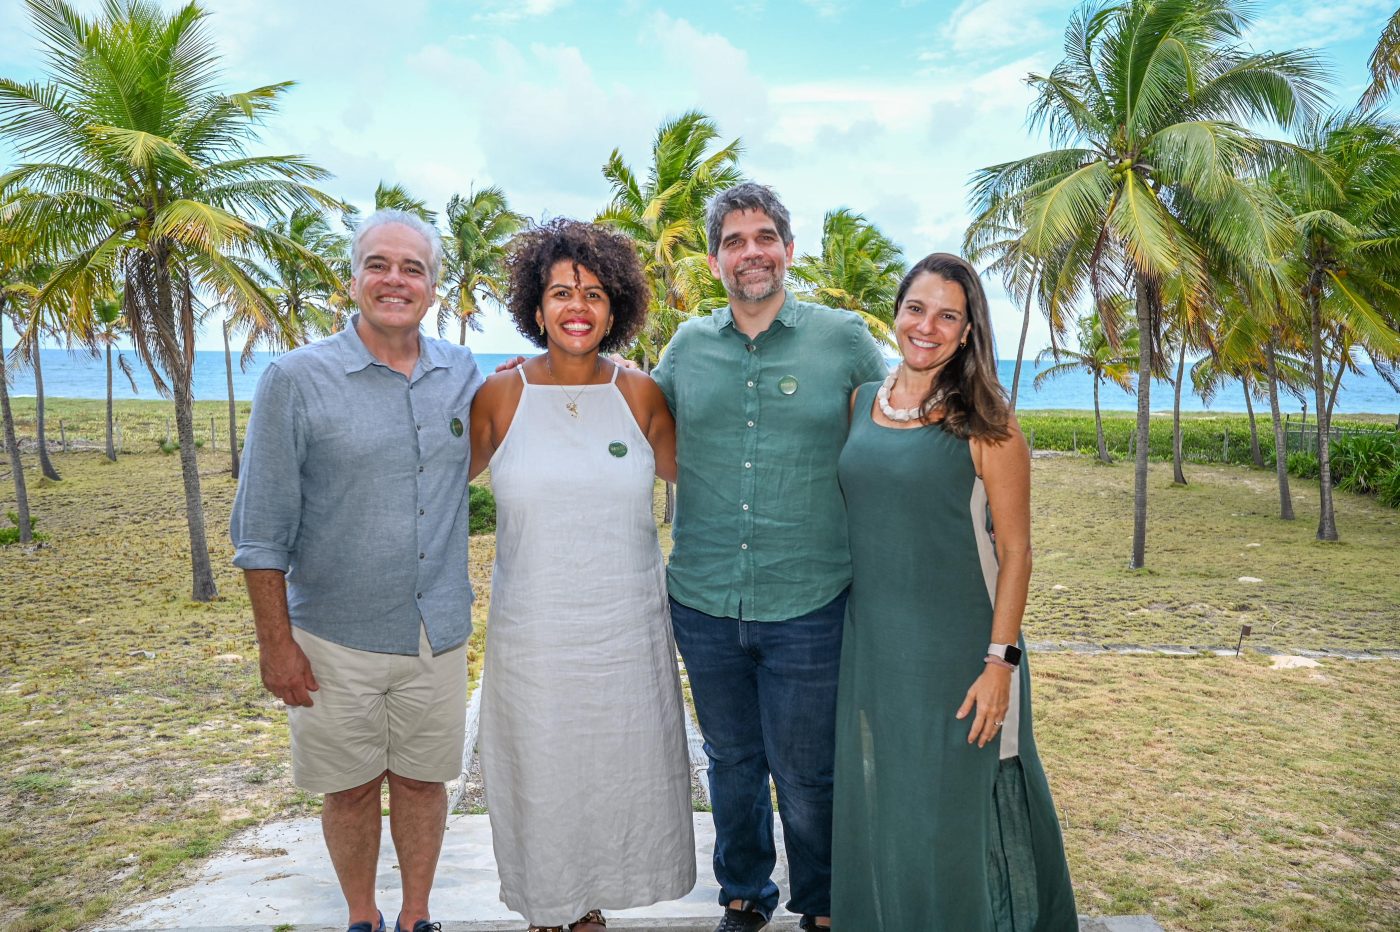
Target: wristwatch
1009	653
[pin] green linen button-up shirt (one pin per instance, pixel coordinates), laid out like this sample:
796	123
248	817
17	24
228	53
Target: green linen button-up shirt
760	526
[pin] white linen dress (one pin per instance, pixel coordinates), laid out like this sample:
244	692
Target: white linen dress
582	736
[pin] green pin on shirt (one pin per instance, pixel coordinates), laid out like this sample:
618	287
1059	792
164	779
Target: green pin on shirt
617	448
456	425
787	384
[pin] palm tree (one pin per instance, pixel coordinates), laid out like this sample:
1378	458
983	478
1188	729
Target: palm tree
1149	180
35	316
859	270
1348	242
143	179
15	254
1384	63
107	328
1190	330
302	278
1103	361
664	215
479	226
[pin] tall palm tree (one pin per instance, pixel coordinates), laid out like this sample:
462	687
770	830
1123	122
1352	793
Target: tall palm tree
37	316
302	272
15	254
1104	362
664	215
859	270
1148	180
1348	245
1384	63
108	327
479	226
141	177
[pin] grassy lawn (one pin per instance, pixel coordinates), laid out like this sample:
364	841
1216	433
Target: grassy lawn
1215	794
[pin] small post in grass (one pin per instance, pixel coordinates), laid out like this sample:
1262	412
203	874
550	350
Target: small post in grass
1245	631
63	434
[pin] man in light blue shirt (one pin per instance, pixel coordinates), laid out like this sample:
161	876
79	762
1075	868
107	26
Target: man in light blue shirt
350	524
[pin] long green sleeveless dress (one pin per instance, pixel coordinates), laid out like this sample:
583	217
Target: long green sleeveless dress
930	832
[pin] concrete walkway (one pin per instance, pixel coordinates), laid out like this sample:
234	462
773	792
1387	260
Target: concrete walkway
278	876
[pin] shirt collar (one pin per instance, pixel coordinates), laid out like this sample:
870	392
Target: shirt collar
357	356
787	314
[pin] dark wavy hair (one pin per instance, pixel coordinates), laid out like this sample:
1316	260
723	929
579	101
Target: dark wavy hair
974	404
610	256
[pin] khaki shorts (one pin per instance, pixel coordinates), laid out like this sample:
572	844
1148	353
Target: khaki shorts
375	712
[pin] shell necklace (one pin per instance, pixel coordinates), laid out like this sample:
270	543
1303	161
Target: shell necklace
903	415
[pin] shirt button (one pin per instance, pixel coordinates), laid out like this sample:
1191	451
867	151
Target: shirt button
417	426
748	465
420	595
750	347
420	468
743	546
420	511
750	384
750	423
421	555
746	506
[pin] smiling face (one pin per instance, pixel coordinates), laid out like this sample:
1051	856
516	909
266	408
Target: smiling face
393	286
575	310
931	322
752	258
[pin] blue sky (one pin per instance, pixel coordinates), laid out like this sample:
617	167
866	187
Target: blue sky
883	108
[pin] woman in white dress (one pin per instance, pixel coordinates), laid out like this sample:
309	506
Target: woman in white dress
582	731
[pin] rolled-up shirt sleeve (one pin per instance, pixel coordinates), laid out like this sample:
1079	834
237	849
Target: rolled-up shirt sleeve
267	508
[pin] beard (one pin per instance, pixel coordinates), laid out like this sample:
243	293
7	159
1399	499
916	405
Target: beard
754	289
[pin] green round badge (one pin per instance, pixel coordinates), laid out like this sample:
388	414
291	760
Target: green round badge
617	448
456	425
787	384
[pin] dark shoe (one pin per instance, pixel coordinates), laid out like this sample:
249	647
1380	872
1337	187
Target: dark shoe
741	920
422	925
809	924
592	917
368	926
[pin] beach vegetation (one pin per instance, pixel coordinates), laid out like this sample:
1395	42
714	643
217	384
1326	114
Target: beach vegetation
1149	186
141	177
664	214
858	270
479	226
1101	360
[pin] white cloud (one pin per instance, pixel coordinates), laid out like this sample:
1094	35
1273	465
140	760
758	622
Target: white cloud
1308	24
708	71
980	26
512	11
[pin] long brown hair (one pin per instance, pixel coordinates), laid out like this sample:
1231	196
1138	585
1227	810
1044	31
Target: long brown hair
974	402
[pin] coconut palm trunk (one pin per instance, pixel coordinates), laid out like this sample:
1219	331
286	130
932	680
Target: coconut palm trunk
12	446
1255	454
45	464
1285	497
1098	425
111	447
1021	347
233	454
1327	518
1144	423
1178	476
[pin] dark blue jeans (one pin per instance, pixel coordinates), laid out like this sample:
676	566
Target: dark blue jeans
765	695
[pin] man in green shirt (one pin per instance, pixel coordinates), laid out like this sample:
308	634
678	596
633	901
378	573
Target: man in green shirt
759	570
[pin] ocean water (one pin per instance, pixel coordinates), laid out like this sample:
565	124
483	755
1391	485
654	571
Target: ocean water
74	375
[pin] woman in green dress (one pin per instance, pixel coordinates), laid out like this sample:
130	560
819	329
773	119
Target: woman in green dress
943	817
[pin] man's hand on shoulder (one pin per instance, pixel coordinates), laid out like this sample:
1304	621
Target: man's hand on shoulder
515	362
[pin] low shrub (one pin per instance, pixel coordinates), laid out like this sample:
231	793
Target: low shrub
482	505
10	535
1359	462
1304	465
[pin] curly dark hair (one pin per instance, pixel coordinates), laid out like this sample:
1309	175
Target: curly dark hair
610	256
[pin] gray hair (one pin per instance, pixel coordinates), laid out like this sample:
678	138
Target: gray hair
747	195
414	222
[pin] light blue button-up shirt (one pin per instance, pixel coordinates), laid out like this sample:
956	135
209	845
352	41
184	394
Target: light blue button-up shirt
354	483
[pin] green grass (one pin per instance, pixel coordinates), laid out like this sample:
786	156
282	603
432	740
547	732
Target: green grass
1211	793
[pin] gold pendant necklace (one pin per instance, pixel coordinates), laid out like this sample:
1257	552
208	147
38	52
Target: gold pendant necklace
571	404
